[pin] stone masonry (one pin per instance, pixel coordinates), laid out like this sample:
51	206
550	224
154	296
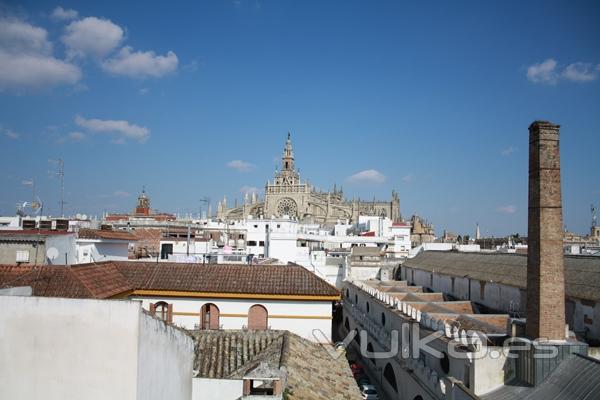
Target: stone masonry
545	267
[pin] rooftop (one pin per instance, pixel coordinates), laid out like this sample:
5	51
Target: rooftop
574	378
106	234
87	281
109	278
582	273
311	372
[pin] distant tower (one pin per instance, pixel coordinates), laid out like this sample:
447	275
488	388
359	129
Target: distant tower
288	155
477	233
545	259
143	204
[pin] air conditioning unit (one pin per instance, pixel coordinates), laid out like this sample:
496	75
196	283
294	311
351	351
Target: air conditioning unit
22	256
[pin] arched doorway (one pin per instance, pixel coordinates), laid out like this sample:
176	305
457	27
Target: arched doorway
209	316
258	317
390	376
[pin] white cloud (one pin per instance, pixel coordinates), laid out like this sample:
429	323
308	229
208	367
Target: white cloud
76	136
508	151
249	189
241	166
10	134
367	176
123	129
61	14
26	60
140	64
121	193
508	209
548	72
92	36
544	72
581	72
17	36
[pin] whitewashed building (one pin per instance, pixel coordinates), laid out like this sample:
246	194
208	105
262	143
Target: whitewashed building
58	348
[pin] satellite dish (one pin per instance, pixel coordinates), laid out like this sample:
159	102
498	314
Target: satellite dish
52	253
78	216
84	217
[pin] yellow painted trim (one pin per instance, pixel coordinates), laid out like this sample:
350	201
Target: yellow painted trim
176	293
192	314
301	316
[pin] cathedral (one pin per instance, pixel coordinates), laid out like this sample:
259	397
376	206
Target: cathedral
288	195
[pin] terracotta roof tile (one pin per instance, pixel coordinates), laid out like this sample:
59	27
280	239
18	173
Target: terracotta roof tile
90	281
106	234
105	279
225	278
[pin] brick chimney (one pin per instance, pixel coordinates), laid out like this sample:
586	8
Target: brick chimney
545	265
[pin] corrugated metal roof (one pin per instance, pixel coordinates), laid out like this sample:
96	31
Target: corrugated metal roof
582	274
578	377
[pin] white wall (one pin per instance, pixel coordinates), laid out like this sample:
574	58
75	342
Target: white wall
92	349
65	244
94	250
299	317
164	349
217	389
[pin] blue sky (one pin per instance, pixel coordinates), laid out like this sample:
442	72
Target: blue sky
195	100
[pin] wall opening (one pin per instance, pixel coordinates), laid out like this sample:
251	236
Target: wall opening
258	317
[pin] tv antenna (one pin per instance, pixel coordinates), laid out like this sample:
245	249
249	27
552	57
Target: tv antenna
60	172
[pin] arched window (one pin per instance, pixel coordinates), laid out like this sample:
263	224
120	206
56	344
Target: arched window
418	397
161	310
357	336
445	363
370	350
383	319
209	316
368	307
257	317
347	325
347	293
390	376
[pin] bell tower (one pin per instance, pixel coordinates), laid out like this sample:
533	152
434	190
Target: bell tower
288	174
287	161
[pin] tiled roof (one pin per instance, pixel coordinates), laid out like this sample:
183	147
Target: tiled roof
106	234
87	281
582	273
109	278
225	278
312	373
230	354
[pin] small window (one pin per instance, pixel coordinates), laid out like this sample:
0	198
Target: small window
347	293
22	256
368	307
356	298
383	319
278	225
251	243
261	243
161	310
